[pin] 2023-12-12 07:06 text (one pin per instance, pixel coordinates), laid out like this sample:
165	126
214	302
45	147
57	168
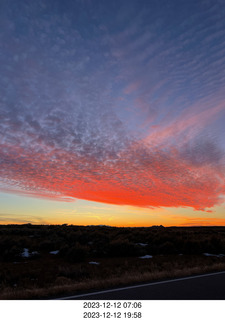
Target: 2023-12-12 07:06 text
108	305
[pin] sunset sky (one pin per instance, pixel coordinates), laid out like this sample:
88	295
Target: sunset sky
112	112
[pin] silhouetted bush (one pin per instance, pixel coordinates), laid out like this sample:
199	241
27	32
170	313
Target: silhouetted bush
192	247
118	248
74	253
167	248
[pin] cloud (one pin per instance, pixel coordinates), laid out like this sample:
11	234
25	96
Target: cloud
13	218
119	108
139	177
202	152
202	222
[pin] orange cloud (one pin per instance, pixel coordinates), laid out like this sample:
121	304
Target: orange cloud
139	177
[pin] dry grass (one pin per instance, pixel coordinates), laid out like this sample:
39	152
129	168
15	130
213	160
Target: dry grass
66	286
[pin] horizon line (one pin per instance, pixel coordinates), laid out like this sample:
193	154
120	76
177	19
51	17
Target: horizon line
108	226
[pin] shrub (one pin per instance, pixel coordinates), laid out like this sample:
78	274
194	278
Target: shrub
167	248
74	253
124	248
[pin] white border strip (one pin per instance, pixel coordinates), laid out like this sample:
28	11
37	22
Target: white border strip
140	286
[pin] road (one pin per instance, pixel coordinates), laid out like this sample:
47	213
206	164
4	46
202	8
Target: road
203	287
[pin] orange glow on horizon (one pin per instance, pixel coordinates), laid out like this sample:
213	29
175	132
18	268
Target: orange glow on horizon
122	222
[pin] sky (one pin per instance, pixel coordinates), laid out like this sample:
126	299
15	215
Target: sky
112	112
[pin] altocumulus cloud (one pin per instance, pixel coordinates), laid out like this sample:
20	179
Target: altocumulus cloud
104	104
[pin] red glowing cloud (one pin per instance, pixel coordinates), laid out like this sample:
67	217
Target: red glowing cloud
139	177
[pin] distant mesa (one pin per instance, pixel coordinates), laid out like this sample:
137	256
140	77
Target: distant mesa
99	225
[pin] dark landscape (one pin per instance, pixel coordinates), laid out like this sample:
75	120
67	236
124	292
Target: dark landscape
48	261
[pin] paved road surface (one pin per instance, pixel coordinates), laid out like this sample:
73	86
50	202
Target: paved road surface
203	287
